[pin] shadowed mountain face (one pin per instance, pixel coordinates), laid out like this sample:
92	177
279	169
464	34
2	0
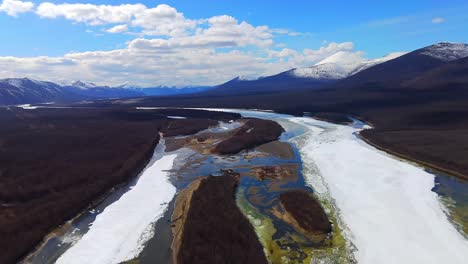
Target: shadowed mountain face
285	81
454	74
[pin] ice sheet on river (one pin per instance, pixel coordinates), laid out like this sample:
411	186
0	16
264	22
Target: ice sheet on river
387	204
119	232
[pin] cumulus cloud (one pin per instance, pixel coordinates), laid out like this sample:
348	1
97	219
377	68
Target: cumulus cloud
170	49
149	62
89	13
160	20
14	7
438	20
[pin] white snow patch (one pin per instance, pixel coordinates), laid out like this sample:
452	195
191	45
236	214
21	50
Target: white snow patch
447	51
148	108
83	85
121	230
27	106
16	82
341	65
224	126
248	78
323	71
177	117
387	204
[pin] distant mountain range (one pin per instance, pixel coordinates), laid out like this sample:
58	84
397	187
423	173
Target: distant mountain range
429	74
341	70
166	91
19	91
25	90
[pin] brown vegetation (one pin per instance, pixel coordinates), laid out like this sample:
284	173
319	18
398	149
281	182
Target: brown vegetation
278	172
55	162
440	150
214	229
278	149
253	133
305	214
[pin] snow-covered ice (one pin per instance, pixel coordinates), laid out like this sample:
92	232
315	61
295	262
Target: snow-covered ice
121	230
387	205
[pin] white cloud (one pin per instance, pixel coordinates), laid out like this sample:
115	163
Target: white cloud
170	49
438	20
118	29
163	20
149	62
89	13
14	7
160	20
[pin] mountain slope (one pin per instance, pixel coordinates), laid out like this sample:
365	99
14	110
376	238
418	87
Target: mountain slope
24	90
92	90
408	66
165	91
281	82
327	71
454	74
341	65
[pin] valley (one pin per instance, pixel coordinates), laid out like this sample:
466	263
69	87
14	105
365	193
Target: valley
312	165
311	157
246	132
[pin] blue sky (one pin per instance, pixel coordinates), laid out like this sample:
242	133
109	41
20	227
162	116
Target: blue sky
280	34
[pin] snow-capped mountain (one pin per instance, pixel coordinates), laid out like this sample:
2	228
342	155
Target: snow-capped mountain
92	90
403	68
336	67
25	90
83	85
340	65
446	51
